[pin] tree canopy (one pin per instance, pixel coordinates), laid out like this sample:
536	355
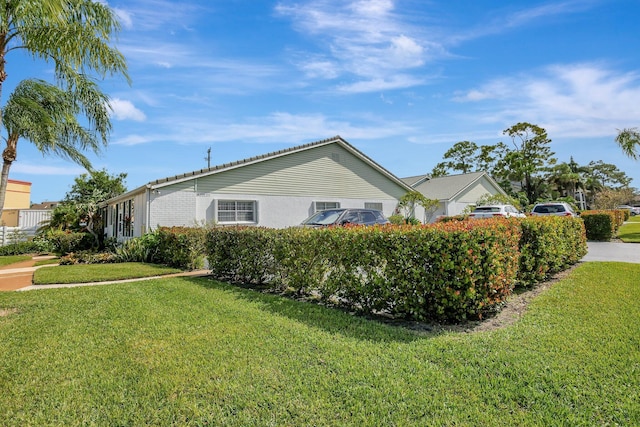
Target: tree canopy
527	169
71	116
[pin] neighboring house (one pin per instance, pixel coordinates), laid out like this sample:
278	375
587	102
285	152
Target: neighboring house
454	192
278	190
17	197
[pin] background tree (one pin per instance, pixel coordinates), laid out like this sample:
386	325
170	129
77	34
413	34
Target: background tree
461	157
74	35
467	156
79	210
629	141
408	202
86	186
566	178
611	199
530	157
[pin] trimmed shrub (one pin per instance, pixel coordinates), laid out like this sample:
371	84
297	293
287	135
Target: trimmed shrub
35	246
64	242
549	244
242	254
599	226
181	247
450	272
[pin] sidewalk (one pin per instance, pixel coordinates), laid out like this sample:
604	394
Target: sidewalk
613	251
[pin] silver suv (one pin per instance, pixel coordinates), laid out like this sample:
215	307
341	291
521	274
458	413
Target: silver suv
553	208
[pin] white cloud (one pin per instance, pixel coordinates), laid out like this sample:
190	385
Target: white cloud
124	17
125	110
508	18
568	100
37	169
365	39
275	127
134	140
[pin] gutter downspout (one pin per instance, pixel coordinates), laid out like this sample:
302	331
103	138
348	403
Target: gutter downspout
148	213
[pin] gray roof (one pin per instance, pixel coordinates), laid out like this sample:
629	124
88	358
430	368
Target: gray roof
415	180
448	187
256	159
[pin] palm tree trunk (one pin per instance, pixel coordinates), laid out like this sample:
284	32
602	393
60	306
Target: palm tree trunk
8	155
4	180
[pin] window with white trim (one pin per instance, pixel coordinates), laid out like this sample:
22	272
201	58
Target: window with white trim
320	206
373	205
236	211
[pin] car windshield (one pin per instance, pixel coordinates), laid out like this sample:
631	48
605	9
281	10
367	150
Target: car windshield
549	209
488	209
324	217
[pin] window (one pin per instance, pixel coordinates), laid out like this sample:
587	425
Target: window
236	211
320	206
372	205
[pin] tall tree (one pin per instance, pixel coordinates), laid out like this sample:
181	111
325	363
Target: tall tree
467	156
629	141
76	36
530	156
86	185
567	178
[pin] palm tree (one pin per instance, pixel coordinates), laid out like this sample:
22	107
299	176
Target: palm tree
47	116
567	178
629	141
74	35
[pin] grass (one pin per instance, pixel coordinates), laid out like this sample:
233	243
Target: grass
192	351
630	231
12	259
86	273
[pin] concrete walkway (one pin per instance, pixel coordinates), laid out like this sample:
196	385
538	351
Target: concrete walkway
613	251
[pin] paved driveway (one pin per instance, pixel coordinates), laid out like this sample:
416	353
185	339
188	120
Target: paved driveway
613	251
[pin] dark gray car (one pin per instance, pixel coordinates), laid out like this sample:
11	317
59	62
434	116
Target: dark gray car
345	216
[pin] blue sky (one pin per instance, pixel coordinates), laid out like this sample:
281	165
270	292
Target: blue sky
401	80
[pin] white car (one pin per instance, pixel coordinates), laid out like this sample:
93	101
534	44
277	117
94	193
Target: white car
553	208
491	211
635	210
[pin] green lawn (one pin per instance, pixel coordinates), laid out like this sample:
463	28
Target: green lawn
12	259
192	351
630	232
85	273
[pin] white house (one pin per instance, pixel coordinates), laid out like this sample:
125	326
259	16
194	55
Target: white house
278	189
454	192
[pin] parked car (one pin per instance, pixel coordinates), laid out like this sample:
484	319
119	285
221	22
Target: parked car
553	208
345	216
490	211
634	210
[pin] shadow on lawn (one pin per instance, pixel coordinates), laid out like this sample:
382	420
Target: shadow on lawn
334	320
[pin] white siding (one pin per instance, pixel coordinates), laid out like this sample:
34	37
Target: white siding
185	208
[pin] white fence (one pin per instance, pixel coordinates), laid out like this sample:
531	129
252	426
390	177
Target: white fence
28	222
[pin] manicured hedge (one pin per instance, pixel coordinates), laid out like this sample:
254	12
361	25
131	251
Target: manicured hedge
450	271
548	245
602	225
